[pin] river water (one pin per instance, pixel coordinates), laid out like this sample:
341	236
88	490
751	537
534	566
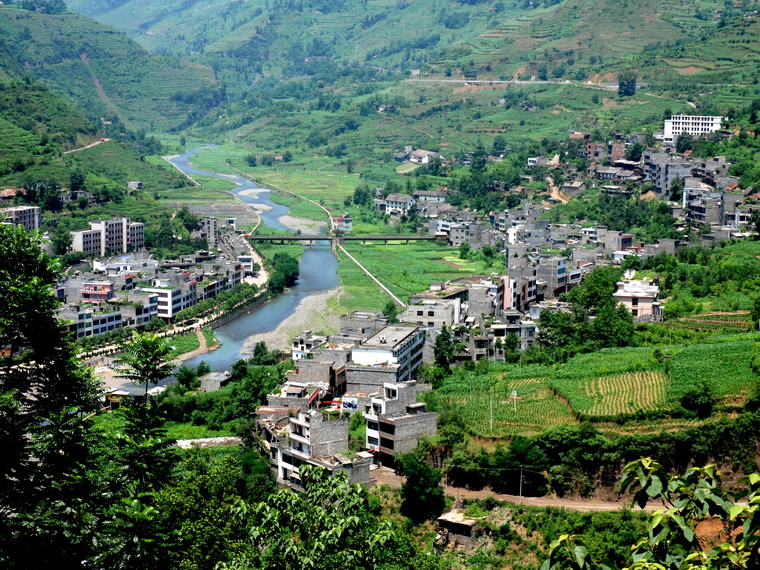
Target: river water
318	266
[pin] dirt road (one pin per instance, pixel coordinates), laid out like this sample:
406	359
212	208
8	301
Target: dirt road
386	476
92	144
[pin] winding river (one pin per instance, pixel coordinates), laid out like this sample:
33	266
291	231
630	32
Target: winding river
318	268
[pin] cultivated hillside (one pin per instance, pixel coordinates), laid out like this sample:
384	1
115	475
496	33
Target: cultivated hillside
102	71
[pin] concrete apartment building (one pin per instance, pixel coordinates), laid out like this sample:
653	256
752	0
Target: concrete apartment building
695	125
392	354
432	313
30	217
396	421
106	237
308	437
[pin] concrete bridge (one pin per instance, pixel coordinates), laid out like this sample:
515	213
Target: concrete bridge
336	240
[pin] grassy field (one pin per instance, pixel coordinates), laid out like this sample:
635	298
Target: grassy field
328	188
409	269
298	207
604	387
359	291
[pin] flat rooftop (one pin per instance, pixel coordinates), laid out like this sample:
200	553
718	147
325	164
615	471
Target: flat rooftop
389	336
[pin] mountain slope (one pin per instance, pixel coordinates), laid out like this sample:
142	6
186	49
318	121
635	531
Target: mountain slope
103	71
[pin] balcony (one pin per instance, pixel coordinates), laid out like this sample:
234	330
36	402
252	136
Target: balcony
300	438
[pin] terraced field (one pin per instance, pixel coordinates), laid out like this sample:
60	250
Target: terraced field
625	393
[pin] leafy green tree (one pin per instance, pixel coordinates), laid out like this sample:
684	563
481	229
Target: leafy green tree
332	524
627	84
444	350
391	311
422	495
46	487
147	359
464	250
676	189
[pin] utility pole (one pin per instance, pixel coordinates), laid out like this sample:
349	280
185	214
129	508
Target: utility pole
521	475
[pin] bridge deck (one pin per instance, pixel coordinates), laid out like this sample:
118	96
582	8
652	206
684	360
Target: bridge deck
303	237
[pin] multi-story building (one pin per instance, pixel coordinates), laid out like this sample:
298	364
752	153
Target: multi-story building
397	204
30	217
172	297
662	168
695	125
117	235
432	313
210	230
639	297
97	292
396	421
84	322
392	354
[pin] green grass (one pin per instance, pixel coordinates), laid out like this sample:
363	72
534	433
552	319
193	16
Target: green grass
298	207
325	187
407	269
175	430
210	337
182	344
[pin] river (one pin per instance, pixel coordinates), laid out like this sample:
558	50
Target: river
318	267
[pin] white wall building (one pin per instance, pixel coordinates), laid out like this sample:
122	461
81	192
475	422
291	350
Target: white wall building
28	216
692	124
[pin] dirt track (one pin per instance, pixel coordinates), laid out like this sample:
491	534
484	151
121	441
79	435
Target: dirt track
386	476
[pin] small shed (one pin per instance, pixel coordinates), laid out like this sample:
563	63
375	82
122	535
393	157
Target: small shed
455	530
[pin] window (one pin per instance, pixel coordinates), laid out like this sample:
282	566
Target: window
372	426
372	441
635	301
419	313
431	313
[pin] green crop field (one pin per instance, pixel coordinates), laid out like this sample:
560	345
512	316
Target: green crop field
723	364
484	399
409	269
325	187
612	382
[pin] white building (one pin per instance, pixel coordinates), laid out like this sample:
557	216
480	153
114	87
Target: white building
172	298
28	216
639	297
692	124
392	346
117	235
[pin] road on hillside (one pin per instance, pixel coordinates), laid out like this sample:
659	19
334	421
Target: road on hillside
92	144
387	476
609	86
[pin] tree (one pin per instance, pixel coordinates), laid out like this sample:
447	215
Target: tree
61	240
676	189
464	250
627	84
331	524
147	358
76	180
391	311
46	485
422	495
444	350
672	542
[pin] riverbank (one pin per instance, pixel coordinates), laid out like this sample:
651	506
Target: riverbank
109	375
312	313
